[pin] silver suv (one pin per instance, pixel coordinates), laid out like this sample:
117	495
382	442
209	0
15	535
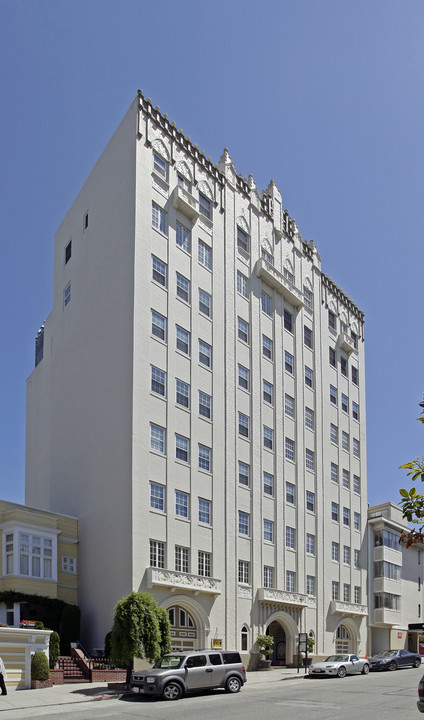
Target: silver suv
180	672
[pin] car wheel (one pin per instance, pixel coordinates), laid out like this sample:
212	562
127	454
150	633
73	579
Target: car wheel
393	665
233	685
417	663
365	669
172	691
341	672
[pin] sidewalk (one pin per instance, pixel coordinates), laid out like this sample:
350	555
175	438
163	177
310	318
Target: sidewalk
82	692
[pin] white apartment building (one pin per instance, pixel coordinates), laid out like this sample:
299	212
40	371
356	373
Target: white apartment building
198	402
395	581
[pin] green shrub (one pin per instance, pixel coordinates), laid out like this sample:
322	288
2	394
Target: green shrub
108	644
39	666
39	625
54	649
70	624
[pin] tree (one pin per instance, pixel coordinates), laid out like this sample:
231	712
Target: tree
54	649
413	502
140	629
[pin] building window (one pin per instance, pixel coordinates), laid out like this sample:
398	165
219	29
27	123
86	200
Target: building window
243	330
68	252
288	321
160	166
309	377
290	537
343	365
345	403
268	576
69	564
243	377
183	288
310	501
181	559
356	560
346	516
67	295
333	395
204	254
242	240
243	473
205	507
343	327
307	337
335	590
356	484
308	297
310	544
289	449
243	523
159	271
334	472
355	410
181	504
335	551
289	363
288	275
158	325
182	393
355	375
157	497
290	581
332	356
332	321
345	441
266	347
357	596
346	554
310	585
268	438
183	340
85	222
268	484
243	424
357	520
289	405
290	493
157	438
205	206
205	405
310	460
334	434
205	458
182	448
267	256
356	447
183	237
309	418
242	284
266	303
157	554
243	572
268	392
346	592
204	564
346	479
158	381
205	303
335	511
158	218
205	354
268	531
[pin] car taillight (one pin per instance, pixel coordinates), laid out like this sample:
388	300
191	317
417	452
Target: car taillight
421	689
244	671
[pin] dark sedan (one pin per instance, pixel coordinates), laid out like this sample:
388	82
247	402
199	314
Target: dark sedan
394	659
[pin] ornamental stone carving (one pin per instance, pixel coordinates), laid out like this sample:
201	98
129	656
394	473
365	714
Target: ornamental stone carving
283	597
174	579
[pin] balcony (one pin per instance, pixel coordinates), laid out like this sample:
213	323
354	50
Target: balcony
387	585
156	577
347	608
276	280
283	597
384	616
346	343
186	203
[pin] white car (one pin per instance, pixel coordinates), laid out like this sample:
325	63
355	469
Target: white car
340	666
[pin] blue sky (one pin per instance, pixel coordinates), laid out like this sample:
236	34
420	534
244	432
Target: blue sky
323	96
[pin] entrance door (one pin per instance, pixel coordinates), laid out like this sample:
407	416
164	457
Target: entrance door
279	650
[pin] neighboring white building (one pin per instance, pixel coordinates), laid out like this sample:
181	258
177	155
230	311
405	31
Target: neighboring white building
395	582
199	403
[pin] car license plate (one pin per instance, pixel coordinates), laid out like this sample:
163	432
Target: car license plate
137	689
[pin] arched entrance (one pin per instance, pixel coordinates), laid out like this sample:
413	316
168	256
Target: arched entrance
344	640
189	623
279	650
283	628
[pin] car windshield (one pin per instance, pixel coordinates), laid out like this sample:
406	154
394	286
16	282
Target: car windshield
385	653
169	661
337	658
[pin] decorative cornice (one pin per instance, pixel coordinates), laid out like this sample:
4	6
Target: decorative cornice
283	597
340	295
186	581
347	608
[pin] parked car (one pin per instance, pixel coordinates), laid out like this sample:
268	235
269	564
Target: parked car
420	702
392	659
340	666
180	672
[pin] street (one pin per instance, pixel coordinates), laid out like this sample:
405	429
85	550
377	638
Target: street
382	696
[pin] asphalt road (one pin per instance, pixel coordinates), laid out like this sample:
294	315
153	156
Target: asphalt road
380	696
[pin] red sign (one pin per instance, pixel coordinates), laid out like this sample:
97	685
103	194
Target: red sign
400	635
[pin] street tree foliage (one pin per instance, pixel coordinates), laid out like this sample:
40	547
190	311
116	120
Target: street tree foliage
140	629
412	502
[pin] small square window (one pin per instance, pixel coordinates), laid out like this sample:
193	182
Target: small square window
266	347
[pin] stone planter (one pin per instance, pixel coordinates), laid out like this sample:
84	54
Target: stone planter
265	665
41	684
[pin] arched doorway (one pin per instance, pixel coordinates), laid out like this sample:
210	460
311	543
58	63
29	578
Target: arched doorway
283	628
189	623
276	630
343	640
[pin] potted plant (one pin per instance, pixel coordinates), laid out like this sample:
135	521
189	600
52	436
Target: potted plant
265	644
310	648
40	673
